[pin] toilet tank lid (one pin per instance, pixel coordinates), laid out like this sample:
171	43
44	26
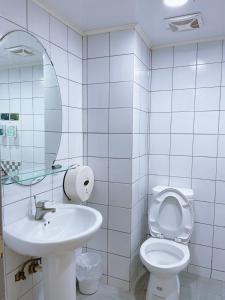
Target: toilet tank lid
188	193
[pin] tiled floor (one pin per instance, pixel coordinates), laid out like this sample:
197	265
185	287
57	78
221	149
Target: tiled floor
192	288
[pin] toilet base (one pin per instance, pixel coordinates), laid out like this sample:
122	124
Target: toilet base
163	288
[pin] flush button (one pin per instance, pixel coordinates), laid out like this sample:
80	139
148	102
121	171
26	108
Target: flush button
159	288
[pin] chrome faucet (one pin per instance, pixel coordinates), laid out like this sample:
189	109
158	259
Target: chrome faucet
42	210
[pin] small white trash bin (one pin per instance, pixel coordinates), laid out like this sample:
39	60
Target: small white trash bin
89	271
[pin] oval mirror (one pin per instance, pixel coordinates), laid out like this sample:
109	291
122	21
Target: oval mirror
30	107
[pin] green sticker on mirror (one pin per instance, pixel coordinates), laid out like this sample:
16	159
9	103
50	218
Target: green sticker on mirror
5	116
14	117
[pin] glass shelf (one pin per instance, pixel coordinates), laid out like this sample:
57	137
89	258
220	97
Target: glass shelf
32	176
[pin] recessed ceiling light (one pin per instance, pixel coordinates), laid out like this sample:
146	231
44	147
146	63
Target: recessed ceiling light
175	3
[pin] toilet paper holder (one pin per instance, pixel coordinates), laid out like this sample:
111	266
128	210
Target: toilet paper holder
78	184
64	178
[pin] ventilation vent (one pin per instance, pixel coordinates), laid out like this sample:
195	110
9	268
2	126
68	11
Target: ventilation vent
20	50
184	23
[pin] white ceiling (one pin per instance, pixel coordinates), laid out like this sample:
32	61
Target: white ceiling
87	15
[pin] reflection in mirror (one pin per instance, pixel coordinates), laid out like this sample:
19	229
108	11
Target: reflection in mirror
30	106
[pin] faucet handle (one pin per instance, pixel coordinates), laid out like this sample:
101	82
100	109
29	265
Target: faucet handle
41	204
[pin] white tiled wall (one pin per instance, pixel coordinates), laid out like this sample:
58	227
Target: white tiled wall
116	68
186	138
64	47
187	141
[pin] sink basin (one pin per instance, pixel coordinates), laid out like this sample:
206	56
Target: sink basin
55	238
70	227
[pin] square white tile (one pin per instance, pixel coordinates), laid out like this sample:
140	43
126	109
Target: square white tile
207	99
98	95
210	52
122	42
205	145
159	165
160	123
121	94
204	190
100	167
98	120
159	143
202	124
204	168
120	145
181	144
119	243
122	68
162	58
208	75
183	100
180	166
120	120
182	122
202	234
98	45
161	79
118	266
120	194
98	70
120	170
204	212
184	77
120	219
185	55
98	145
200	255
161	101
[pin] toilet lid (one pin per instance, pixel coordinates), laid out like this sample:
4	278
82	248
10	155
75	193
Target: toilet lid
171	216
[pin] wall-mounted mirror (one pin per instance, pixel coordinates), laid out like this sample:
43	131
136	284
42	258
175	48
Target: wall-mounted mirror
2	278
30	106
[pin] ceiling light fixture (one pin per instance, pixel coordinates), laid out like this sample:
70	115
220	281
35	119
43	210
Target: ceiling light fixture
175	3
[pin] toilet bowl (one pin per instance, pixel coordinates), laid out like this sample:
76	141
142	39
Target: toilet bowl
166	253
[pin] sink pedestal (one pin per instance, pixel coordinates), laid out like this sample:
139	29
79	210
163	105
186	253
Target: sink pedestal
59	277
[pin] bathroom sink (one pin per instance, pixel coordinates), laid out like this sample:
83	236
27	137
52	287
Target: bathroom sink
70	227
54	239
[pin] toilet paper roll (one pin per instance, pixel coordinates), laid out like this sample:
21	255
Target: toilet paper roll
78	183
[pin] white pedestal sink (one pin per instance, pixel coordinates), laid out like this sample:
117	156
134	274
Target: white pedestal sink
55	238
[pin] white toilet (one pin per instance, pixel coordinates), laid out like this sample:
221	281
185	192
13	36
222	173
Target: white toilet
166	253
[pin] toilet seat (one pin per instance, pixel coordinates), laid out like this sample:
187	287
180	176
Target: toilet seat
164	257
171	214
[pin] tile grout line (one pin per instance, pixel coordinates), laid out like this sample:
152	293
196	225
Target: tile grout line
109	104
216	173
171	120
